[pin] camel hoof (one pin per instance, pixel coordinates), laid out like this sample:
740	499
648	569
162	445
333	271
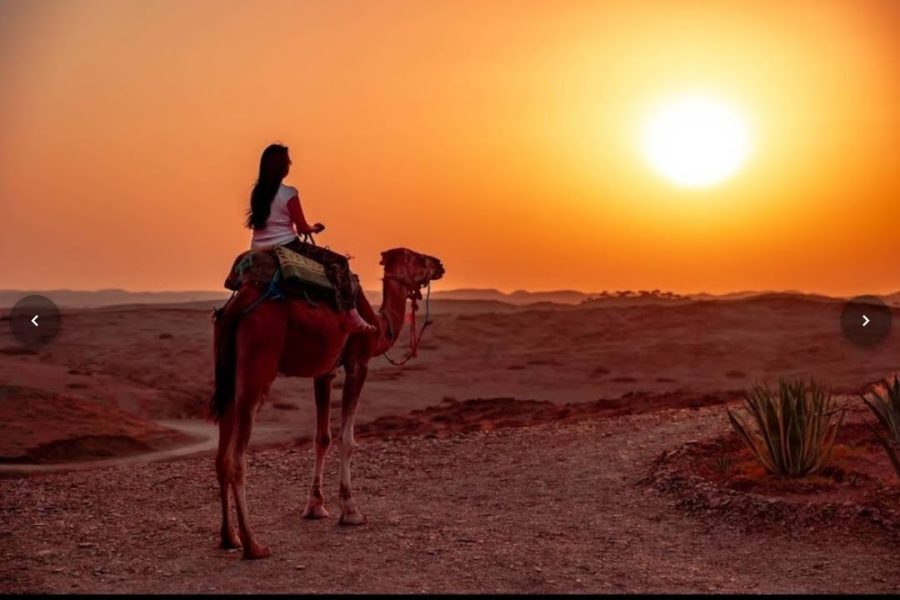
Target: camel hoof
315	512
255	551
230	541
352	518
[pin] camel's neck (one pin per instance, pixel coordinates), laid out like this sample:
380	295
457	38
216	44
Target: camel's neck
393	311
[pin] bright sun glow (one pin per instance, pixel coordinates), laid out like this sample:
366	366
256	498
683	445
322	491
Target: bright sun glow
696	141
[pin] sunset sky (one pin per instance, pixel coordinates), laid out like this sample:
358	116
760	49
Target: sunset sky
502	137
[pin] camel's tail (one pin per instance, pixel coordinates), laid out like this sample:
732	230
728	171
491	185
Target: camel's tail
225	357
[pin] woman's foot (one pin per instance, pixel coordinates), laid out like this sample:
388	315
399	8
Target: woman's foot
356	324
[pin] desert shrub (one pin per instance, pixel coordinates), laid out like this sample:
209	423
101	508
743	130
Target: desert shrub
884	402
724	464
793	428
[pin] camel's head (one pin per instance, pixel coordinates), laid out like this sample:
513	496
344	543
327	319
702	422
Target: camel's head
413	270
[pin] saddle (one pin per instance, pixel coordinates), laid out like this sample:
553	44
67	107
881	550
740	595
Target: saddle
294	274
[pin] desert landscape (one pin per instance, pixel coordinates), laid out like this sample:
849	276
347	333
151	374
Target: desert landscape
567	443
654	244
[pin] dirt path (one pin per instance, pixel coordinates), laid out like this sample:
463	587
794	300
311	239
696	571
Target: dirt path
541	509
206	432
208	440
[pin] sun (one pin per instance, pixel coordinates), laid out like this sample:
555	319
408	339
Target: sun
696	141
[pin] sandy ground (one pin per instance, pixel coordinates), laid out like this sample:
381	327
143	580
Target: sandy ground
533	487
37	426
182	437
552	508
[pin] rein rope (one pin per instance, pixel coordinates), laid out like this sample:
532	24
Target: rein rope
414	338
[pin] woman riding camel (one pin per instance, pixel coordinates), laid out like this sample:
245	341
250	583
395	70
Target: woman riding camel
276	218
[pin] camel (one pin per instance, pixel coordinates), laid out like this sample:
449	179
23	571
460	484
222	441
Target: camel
297	338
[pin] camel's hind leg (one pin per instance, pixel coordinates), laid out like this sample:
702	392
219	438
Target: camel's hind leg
315	504
256	371
229	535
356	377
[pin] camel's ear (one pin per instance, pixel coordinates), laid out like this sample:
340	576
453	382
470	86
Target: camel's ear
389	257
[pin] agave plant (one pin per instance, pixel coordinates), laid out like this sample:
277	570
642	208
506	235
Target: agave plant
884	402
795	427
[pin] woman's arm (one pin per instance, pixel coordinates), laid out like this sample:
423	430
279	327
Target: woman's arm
296	212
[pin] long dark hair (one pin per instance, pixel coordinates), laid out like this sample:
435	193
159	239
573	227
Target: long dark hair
272	169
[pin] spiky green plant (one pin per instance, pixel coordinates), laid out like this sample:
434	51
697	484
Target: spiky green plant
884	402
795	426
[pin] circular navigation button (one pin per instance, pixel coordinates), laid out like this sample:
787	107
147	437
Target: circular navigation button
866	320
34	321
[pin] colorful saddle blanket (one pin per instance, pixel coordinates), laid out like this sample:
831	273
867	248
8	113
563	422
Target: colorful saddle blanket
291	270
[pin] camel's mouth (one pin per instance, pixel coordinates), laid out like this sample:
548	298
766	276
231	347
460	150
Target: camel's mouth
437	270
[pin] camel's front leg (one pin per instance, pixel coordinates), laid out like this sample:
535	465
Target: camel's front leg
315	504
353	383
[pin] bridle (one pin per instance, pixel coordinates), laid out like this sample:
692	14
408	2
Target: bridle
413	294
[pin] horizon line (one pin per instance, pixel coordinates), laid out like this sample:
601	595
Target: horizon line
464	289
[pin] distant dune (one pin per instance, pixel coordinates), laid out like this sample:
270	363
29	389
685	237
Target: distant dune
516	297
109	297
112	297
38	426
483	298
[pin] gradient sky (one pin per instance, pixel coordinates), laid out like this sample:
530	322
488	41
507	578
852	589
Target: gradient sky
502	137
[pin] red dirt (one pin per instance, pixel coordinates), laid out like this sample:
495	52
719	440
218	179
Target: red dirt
40	427
858	466
545	508
486	495
858	486
485	414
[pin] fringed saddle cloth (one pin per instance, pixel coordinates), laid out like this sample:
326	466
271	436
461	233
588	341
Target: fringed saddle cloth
293	272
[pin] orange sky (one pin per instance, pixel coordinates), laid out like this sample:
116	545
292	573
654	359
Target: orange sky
499	136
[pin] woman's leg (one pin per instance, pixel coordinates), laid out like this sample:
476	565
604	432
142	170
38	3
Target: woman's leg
337	269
